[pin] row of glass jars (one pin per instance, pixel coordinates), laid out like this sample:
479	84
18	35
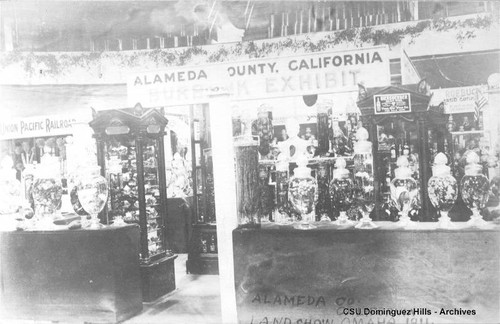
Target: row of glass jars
44	191
302	191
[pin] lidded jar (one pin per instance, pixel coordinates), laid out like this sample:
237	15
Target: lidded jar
341	191
10	188
442	189
363	178
404	191
303	192
47	191
92	192
475	189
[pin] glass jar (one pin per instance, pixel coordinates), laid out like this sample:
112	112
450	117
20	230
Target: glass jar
341	192
10	188
47	192
92	192
475	189
442	190
363	178
303	194
404	192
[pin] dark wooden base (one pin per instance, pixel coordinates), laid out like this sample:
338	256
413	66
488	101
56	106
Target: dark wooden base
158	278
200	262
70	276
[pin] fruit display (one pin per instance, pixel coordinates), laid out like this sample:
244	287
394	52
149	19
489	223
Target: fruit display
124	192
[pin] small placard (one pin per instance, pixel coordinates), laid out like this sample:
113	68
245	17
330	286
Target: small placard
392	103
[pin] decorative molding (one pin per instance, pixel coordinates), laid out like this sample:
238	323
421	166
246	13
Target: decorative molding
46	67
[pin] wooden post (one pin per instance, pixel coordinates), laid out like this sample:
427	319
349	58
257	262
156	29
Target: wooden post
225	200
372	131
423	152
143	222
163	193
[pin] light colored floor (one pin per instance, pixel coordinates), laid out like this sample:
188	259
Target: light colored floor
195	301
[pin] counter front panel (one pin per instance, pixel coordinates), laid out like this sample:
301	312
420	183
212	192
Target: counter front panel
285	275
78	275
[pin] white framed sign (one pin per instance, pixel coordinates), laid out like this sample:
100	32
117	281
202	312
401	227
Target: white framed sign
392	103
37	126
457	100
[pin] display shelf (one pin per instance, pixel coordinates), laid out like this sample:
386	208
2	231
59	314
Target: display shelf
467	132
130	153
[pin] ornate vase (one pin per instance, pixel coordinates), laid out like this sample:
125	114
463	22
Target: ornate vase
47	192
303	194
404	192
92	194
341	192
442	190
10	188
475	190
363	178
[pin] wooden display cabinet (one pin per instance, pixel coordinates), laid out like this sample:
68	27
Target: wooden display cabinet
202	250
410	127
130	151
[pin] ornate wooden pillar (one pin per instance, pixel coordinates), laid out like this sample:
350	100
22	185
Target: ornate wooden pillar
372	132
100	143
423	152
143	222
163	184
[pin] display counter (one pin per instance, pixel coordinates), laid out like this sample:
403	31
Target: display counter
285	275
71	275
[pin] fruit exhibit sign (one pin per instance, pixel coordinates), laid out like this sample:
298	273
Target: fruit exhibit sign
318	73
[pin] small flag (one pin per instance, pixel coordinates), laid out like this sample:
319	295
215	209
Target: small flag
409	73
480	102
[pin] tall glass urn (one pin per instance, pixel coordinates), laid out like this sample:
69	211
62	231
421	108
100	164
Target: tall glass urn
10	188
341	192
475	190
303	194
92	194
363	178
47	192
443	190
404	192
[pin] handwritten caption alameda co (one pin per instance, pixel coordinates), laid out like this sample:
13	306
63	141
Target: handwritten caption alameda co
346	311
